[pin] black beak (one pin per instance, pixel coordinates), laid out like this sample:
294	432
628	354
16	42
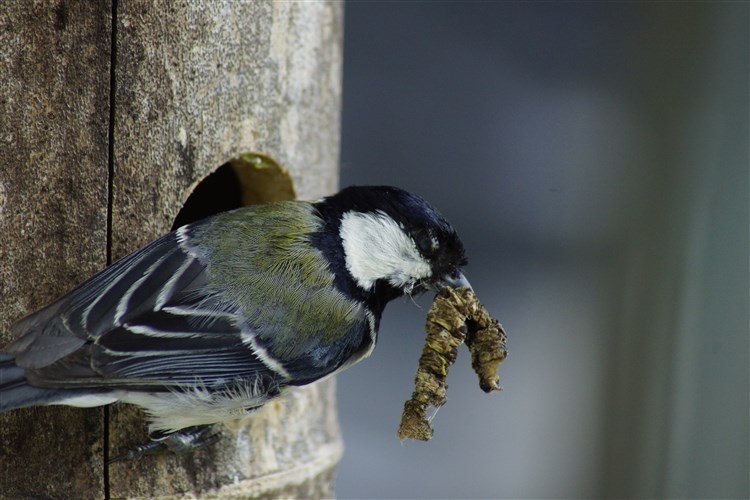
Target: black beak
455	281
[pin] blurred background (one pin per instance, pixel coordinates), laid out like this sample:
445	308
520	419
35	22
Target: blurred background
594	159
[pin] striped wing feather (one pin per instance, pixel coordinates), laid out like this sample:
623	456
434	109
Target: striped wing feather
144	321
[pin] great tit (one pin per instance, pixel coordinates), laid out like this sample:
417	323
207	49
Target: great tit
216	318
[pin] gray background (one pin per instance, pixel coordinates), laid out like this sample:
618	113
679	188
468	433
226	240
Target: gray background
594	159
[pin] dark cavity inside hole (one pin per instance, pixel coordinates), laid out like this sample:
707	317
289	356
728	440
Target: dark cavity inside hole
218	192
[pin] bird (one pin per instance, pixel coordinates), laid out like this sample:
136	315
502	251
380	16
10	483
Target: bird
211	321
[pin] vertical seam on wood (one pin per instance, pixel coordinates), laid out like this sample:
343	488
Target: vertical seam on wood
110	203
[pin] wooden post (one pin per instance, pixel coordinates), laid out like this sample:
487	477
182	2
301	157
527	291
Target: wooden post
113	114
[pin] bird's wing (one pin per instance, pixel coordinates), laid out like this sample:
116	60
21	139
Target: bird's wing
146	320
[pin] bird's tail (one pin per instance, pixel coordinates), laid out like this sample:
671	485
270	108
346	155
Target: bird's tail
15	392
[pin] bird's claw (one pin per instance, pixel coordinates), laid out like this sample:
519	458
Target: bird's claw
178	443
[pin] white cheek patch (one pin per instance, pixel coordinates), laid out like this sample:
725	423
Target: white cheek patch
376	247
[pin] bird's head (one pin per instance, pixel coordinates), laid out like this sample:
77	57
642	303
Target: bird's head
393	242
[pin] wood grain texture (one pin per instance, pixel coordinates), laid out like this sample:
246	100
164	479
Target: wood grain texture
198	83
54	110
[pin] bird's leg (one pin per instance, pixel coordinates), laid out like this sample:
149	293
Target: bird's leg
139	451
180	442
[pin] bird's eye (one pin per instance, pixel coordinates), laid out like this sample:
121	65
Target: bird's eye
426	242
